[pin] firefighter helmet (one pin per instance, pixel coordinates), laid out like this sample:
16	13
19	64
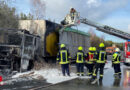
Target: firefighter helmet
90	48
94	48
62	45
101	45
80	48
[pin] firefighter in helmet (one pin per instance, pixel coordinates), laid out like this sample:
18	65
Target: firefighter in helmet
63	59
89	59
100	63
72	13
116	63
80	61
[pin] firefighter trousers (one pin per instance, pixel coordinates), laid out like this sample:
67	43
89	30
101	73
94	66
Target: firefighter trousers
117	68
65	69
90	68
101	67
80	68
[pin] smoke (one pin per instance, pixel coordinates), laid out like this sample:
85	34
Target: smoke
92	9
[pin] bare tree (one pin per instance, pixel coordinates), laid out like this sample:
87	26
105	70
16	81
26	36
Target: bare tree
38	9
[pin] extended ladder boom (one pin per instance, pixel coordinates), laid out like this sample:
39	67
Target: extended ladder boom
107	29
74	18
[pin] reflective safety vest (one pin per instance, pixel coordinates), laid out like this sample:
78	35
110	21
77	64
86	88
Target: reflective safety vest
101	57
63	57
116	58
90	58
80	57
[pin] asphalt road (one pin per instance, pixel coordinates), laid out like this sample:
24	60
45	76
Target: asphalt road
109	83
78	84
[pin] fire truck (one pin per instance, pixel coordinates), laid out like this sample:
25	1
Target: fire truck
74	19
127	53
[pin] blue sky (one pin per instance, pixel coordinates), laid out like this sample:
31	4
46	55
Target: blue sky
115	13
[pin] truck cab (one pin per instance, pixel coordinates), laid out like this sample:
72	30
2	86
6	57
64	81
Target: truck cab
110	50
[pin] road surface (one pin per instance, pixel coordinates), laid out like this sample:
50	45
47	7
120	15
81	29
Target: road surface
108	82
78	84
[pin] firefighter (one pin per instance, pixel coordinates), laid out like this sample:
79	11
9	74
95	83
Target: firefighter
100	63
89	61
72	13
95	54
116	63
80	61
63	59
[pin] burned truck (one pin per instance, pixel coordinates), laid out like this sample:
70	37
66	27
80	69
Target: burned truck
18	49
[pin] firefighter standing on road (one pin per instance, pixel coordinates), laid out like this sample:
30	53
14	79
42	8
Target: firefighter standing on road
80	61
100	63
90	61
116	63
63	59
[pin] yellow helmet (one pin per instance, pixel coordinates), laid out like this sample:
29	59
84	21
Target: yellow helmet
62	45
80	48
101	45
90	48
94	48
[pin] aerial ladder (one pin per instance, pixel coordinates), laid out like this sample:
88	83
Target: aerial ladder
76	19
73	19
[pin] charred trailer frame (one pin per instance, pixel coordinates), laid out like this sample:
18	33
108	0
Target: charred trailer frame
18	49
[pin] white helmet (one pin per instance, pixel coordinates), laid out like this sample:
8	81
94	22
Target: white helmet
117	50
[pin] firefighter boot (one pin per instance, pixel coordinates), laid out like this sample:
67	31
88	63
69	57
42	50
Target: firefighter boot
119	75
82	74
78	74
100	79
116	76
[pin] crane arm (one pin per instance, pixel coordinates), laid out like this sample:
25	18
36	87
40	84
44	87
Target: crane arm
106	29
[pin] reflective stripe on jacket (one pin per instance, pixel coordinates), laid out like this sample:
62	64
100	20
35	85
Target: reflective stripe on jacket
63	57
90	58
80	57
116	58
101	56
